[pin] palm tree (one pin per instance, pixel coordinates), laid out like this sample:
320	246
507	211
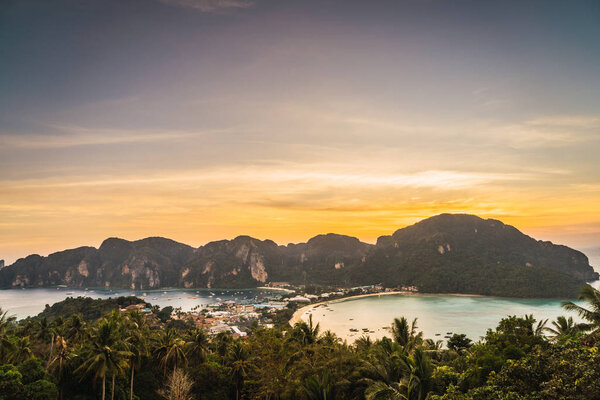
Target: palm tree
319	387
6	327
421	369
45	332
563	326
329	339
591	315
415	384
21	350
136	343
384	391
197	346
306	332
58	365
6	321
363	343
105	355
539	328
221	343
171	350
238	361
74	328
406	335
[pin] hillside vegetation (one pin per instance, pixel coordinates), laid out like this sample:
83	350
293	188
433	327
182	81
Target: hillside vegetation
446	253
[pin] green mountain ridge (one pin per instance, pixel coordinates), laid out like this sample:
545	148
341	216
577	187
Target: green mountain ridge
448	253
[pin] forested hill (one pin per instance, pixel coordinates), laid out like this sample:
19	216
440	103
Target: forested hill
447	253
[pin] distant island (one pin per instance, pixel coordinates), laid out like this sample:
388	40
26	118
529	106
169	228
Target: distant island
448	253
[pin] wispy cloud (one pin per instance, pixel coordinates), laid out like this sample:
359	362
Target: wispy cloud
73	136
297	180
550	131
210	6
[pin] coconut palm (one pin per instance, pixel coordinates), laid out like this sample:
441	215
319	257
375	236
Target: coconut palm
6	327
538	330
563	326
590	314
21	350
406	335
363	343
58	364
136	329
197	347
385	391
238	361
105	355
319	387
45	332
6	321
415	384
74	328
306	332
171	350
329	338
421	369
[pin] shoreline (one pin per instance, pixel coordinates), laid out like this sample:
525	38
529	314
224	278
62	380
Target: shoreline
275	289
299	313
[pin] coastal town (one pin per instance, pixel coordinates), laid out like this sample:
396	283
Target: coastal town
285	303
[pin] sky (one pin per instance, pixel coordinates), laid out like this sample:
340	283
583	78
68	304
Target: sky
200	120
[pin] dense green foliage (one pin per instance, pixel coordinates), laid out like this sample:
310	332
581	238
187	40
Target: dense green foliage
443	254
121	357
90	309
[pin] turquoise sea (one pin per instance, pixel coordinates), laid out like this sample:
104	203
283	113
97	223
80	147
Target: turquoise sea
438	315
29	302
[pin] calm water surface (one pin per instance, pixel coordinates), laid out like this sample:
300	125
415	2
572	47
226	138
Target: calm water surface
437	314
29	302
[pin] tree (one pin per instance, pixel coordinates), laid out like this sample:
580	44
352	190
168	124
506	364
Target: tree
459	342
179	386
21	350
105	355
306	332
563	326
238	362
171	350
11	384
406	335
6	327
136	331
591	315
197	347
385	391
58	364
74	328
319	387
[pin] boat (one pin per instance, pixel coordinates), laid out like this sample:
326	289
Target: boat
69	293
